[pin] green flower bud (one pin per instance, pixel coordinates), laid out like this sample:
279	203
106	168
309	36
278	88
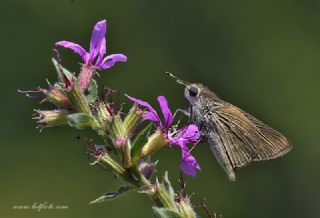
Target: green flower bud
132	120
51	118
58	98
121	140
55	95
103	116
118	130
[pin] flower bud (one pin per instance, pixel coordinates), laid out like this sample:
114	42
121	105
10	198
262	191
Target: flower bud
121	139
78	99
155	142
51	118
147	168
55	96
103	116
132	120
120	142
118	128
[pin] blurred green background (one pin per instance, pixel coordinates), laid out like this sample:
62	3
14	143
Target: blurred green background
262	56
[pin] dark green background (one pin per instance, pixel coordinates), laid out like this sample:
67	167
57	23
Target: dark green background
262	56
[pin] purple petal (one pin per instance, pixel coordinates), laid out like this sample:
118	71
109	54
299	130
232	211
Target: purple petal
151	114
110	60
188	164
190	133
74	47
187	134
165	111
98	43
101	52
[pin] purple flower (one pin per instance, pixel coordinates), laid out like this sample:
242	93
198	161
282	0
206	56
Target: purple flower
188	134
181	137
95	59
151	113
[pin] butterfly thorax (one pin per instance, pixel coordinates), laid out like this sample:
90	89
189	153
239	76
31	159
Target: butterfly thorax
203	105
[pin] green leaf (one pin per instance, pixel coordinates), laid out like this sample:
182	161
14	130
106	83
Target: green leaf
112	195
92	91
139	141
61	70
168	186
161	212
80	120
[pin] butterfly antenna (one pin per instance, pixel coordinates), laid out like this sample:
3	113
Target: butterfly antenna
177	79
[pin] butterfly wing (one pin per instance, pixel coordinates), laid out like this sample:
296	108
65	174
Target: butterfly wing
247	139
242	137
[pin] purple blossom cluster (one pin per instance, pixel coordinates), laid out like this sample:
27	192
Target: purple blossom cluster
95	59
73	106
128	142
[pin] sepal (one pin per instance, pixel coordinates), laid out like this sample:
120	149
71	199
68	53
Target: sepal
78	99
139	141
61	71
168	186
132	120
156	141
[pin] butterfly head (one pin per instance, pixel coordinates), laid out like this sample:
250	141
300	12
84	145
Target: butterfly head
192	92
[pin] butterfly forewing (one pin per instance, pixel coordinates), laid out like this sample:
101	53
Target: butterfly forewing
276	144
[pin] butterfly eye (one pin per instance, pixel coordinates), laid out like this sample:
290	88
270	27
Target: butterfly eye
193	91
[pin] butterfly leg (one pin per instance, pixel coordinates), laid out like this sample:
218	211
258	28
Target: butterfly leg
184	112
